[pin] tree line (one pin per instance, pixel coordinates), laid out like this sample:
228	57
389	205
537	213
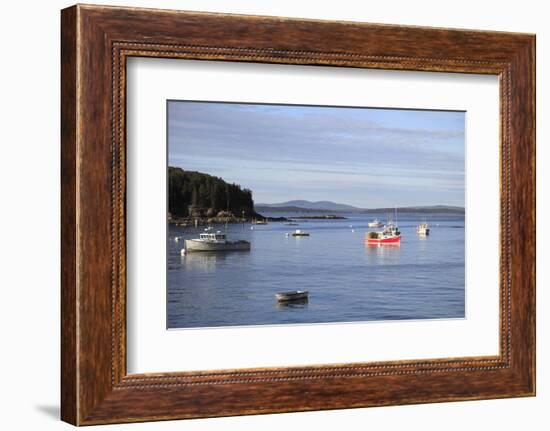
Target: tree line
190	189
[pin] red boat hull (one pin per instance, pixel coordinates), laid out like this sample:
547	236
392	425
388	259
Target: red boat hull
392	240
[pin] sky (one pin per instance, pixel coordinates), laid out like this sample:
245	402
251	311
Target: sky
364	157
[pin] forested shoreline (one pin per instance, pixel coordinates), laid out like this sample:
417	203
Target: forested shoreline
193	194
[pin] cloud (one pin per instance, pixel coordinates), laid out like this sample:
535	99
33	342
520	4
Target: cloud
392	149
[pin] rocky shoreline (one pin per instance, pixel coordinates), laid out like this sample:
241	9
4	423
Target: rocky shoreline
201	218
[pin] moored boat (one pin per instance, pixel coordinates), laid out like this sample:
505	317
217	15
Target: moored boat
299	232
389	235
423	229
295	295
375	223
217	241
259	221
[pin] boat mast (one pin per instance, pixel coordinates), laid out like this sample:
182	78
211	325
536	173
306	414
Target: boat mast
227	207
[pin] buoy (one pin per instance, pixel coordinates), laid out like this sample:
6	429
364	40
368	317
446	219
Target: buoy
251	227
182	252
177	238
353	230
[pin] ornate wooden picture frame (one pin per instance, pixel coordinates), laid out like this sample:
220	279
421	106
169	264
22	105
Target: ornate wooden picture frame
96	41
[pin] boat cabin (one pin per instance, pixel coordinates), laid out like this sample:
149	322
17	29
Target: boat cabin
218	236
391	229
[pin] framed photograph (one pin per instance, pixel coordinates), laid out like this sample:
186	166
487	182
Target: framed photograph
265	215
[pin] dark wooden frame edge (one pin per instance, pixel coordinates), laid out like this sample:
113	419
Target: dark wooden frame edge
95	43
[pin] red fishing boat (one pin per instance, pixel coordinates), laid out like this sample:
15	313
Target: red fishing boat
389	235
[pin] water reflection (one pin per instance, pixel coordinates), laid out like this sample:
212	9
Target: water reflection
423	245
383	253
205	260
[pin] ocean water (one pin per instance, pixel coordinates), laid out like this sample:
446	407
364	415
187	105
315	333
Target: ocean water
347	280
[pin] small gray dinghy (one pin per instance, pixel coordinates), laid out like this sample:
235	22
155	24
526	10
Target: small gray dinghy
294	295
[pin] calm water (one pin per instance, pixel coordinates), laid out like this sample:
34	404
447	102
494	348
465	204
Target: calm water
348	281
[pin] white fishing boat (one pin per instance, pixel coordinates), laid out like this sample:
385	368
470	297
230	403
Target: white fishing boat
376	223
259	221
423	229
299	232
217	241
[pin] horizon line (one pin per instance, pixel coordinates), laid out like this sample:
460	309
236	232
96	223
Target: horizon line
356	207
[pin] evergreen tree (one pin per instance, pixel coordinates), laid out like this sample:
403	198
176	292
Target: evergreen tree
188	188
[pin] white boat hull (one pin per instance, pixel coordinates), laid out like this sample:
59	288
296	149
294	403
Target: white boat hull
192	245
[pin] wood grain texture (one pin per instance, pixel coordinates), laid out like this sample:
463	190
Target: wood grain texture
96	41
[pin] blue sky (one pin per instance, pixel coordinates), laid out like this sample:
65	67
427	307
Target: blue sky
359	156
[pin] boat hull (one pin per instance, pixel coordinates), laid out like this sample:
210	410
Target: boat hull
300	295
391	240
192	245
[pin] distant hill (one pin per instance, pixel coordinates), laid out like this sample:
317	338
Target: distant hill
303	206
308	205
419	209
265	209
